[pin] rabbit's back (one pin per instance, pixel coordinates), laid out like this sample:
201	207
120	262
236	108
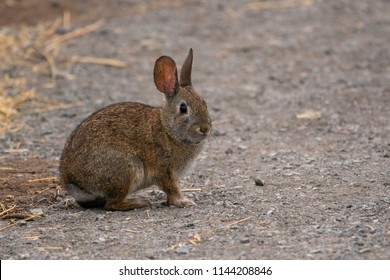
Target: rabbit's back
121	125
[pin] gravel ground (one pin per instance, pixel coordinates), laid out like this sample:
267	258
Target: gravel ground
298	164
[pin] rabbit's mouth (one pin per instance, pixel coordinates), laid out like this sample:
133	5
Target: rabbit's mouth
192	142
201	131
196	137
193	135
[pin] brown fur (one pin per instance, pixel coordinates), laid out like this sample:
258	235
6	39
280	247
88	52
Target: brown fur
130	146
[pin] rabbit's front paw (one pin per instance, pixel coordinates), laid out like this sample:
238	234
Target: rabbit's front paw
182	202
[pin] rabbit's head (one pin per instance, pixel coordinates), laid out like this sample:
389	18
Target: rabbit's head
184	113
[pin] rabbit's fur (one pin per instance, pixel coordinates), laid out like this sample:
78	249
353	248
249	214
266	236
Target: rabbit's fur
130	146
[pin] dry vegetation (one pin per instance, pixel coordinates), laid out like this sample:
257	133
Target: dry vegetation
37	48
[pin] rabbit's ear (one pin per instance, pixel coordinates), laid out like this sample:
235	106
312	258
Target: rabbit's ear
185	73
165	75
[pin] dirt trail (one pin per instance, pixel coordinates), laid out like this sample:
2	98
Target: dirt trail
299	98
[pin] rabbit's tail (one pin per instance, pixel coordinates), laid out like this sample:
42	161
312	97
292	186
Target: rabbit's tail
98	202
84	198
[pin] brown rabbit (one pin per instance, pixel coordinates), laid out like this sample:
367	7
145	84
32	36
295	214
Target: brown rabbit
130	146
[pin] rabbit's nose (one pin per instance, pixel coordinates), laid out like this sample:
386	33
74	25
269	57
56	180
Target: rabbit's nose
204	129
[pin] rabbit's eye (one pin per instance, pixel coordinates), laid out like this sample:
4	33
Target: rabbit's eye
183	108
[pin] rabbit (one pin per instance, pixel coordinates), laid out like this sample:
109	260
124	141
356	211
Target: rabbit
128	146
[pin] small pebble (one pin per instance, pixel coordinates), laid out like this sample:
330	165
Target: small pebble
218	133
243	147
36	211
354	184
364	250
182	250
67	114
316	251
25	256
150	256
258	181
245	240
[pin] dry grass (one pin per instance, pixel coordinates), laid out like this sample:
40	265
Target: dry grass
28	218
37	49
